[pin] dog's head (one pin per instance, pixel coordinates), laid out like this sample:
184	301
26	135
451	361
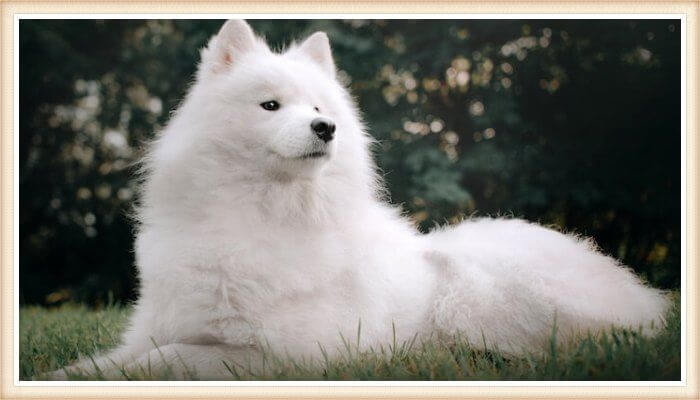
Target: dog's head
282	112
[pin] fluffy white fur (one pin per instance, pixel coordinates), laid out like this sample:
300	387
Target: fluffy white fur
242	242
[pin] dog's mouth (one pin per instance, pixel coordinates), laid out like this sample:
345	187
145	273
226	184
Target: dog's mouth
315	154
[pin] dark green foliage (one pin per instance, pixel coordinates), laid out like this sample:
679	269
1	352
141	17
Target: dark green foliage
51	338
565	122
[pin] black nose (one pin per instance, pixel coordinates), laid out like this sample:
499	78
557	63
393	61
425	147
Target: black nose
323	128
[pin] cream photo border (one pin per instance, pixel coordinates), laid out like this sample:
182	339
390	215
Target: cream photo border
11	388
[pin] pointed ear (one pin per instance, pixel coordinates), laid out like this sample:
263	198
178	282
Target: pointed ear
234	39
318	48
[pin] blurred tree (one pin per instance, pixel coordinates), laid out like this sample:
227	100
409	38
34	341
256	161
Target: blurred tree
574	123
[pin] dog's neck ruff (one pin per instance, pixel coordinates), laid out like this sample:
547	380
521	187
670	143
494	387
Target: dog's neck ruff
323	199
330	198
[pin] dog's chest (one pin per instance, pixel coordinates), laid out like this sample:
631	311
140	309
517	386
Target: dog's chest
265	270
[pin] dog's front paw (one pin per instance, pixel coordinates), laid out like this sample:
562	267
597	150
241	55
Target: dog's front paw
65	373
57	375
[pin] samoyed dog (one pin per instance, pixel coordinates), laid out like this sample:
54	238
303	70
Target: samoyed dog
262	228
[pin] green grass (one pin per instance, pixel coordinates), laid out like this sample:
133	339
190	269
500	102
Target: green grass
51	338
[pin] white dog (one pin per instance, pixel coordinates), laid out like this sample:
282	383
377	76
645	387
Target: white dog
260	223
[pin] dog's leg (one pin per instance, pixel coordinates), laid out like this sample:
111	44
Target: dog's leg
181	361
100	365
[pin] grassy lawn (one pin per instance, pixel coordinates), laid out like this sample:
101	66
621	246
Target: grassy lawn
51	338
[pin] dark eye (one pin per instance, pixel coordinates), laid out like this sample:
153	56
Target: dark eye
316	109
270	105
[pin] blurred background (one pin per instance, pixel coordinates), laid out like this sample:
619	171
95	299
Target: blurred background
571	123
